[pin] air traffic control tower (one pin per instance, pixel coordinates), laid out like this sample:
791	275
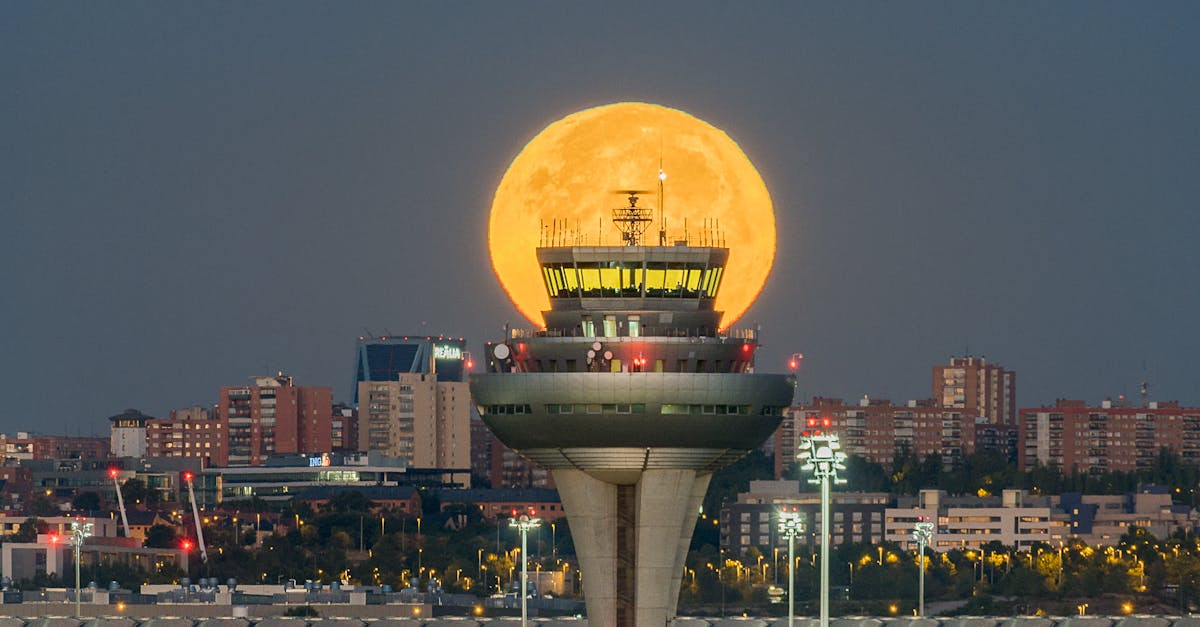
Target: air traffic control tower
632	398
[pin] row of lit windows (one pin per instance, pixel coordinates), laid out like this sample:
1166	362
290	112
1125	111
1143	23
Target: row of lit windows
720	410
514	408
595	408
631	279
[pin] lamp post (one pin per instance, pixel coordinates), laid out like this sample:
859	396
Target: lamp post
79	532
791	523
822	456
922	532
524	524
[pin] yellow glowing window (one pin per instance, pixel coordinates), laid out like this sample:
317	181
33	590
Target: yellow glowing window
692	283
713	282
675	279
656	278
570	279
589	279
610	278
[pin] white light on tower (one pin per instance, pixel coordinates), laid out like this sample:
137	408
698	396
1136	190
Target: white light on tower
922	532
791	523
821	454
80	531
524	524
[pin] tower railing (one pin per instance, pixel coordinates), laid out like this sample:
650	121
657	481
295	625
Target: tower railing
740	334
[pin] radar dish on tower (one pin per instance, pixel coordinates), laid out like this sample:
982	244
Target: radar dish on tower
632	220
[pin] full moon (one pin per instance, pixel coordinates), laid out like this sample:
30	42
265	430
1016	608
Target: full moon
560	191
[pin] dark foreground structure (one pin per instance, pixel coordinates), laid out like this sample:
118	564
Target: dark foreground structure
173	620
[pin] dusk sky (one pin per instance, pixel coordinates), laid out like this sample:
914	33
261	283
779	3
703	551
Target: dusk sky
195	193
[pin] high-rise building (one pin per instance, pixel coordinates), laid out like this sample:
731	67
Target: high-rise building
979	389
417	418
344	432
24	445
1114	436
973	409
129	433
274	416
384	358
631	398
188	432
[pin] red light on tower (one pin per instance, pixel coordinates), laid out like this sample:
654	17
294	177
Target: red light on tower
186	544
54	538
113	472
187	476
794	362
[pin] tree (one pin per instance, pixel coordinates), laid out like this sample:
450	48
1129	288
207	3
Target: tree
41	505
86	502
161	537
29	530
350	501
135	491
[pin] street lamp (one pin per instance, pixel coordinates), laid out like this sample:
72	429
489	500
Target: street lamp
524	524
80	531
922	532
822	455
791	523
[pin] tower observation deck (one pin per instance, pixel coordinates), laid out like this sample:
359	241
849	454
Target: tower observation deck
632	396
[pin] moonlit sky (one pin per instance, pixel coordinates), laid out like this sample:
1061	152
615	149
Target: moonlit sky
194	193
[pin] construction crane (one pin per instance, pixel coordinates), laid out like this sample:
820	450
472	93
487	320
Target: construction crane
188	476
112	473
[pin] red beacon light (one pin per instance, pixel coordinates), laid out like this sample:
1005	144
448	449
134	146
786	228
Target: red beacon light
54	538
187	476
113	472
794	361
186	545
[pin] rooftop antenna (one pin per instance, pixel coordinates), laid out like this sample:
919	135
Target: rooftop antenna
1145	387
662	220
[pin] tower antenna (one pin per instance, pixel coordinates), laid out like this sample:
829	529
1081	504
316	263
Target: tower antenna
662	220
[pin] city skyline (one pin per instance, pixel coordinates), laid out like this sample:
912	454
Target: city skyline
196	196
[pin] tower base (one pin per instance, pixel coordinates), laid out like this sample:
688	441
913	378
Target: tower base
632	533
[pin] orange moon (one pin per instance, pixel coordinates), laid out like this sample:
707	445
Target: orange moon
567	174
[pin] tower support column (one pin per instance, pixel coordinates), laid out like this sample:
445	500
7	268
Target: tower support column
591	506
632	540
699	489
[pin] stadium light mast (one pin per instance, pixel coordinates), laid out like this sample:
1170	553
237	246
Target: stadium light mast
791	523
821	454
80	531
524	523
922	532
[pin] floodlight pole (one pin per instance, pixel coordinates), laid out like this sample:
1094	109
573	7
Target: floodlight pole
822	455
790	523
524	524
922	532
79	532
